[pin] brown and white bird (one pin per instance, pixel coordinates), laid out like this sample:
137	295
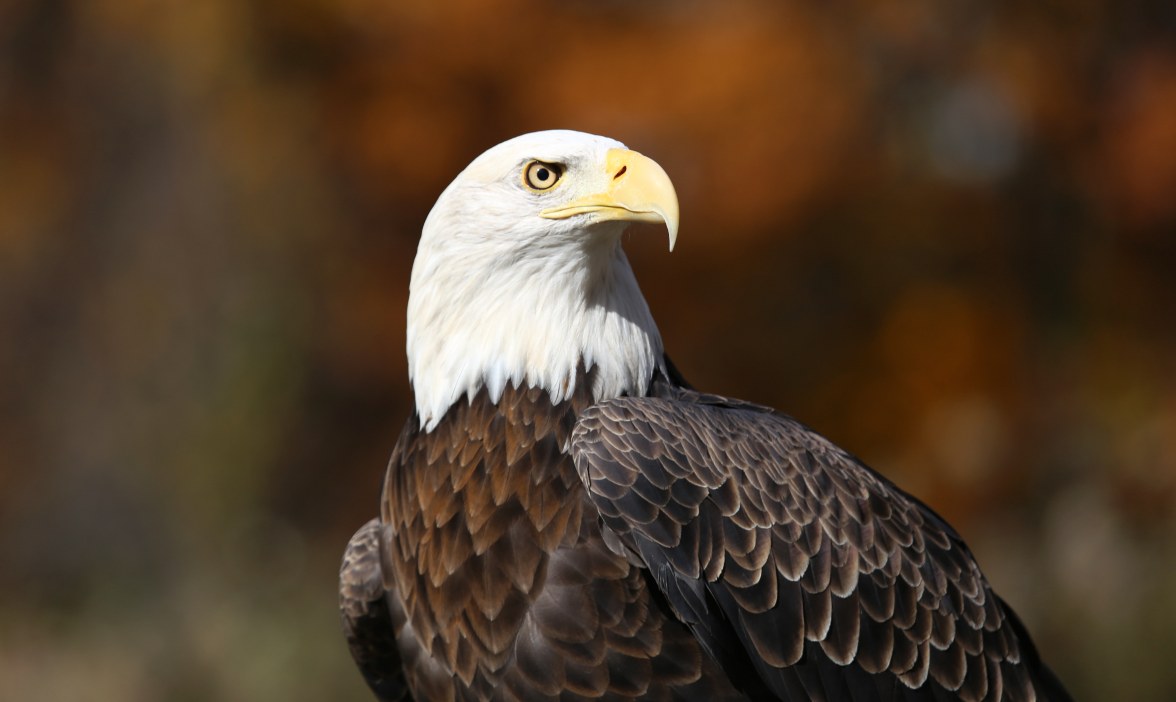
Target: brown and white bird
564	518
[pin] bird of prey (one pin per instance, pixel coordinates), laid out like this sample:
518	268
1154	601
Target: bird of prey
565	518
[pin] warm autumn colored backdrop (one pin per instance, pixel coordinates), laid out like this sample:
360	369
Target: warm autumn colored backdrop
942	233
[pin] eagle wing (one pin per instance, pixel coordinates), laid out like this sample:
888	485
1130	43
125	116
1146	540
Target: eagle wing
367	623
834	582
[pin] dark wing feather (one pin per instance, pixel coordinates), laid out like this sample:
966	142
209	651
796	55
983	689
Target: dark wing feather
367	623
835	583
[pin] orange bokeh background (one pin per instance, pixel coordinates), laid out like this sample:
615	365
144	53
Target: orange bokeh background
943	234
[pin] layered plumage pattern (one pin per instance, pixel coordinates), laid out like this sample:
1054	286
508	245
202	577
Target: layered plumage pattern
835	582
686	546
501	585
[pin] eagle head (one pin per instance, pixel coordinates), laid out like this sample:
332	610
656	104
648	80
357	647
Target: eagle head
520	278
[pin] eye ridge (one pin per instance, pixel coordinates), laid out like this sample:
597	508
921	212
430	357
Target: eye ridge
540	176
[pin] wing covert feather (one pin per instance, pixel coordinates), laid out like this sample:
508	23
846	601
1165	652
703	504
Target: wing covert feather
835	582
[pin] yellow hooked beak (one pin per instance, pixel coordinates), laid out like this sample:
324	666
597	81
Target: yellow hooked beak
640	191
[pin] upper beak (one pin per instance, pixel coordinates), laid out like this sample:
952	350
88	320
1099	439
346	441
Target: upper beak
640	191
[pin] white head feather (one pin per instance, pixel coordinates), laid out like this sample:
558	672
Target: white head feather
501	294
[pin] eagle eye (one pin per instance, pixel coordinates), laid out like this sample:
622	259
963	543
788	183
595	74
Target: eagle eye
538	175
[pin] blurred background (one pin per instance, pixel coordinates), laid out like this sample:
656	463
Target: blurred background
941	233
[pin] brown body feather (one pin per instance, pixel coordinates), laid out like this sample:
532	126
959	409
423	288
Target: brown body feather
679	546
499	580
839	584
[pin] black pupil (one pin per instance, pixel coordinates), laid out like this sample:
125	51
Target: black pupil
542	175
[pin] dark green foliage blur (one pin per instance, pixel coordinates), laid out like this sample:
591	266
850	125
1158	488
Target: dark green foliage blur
943	234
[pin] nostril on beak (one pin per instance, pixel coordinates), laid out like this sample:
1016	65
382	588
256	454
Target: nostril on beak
621	172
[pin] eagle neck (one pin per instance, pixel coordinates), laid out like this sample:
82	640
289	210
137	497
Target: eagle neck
532	322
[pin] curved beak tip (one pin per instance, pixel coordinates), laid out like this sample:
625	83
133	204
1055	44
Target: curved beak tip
671	222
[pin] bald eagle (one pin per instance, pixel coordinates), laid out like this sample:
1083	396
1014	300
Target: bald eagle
565	518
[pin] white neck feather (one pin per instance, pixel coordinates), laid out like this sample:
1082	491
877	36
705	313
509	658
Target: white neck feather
531	319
